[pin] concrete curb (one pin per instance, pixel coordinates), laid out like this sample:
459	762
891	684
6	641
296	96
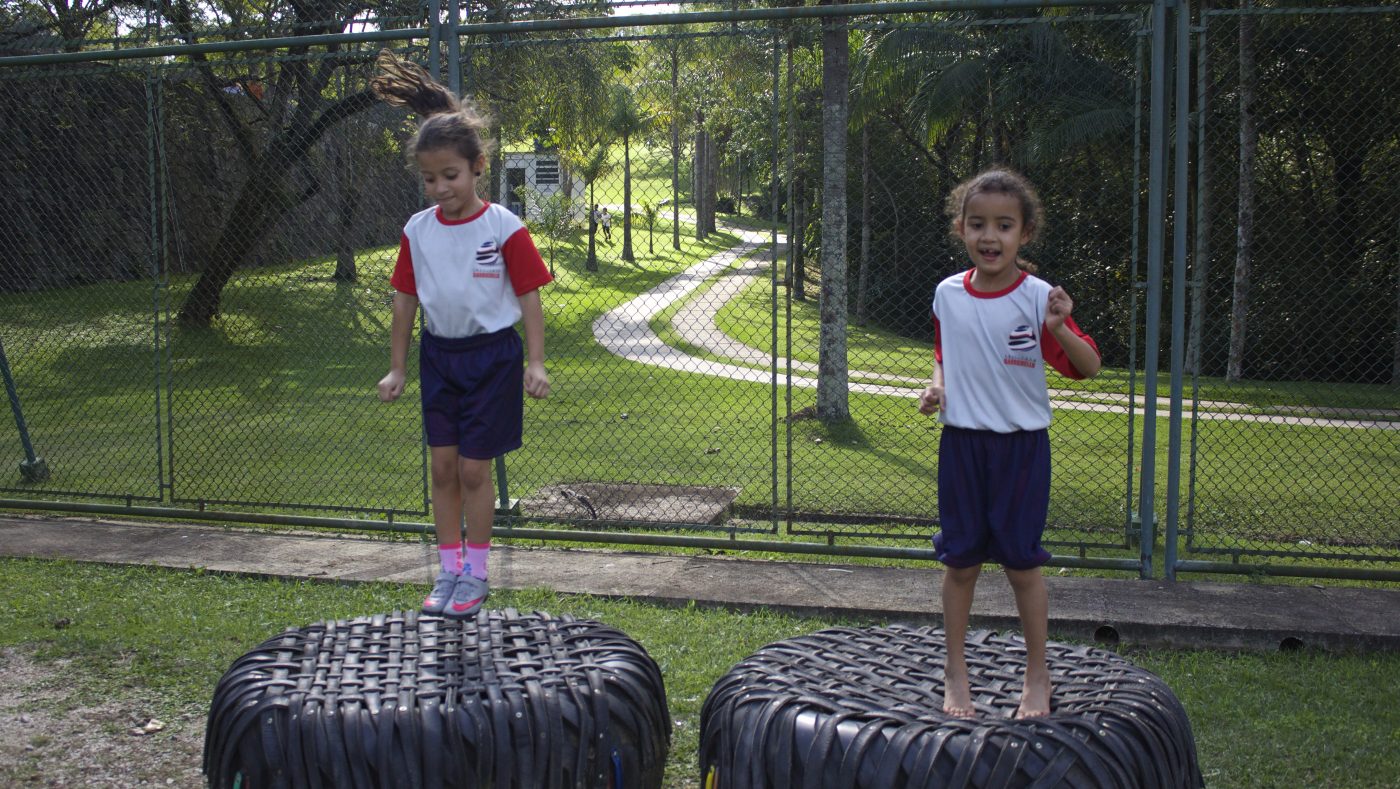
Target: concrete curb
1150	613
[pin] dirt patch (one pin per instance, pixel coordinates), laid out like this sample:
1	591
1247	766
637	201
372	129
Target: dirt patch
51	734
624	502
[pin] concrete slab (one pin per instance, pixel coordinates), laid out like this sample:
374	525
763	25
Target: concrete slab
1185	614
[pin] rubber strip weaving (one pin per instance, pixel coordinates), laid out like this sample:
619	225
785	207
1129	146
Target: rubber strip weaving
864	708
407	700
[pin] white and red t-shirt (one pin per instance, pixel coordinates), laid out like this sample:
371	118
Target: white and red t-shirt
468	273
993	347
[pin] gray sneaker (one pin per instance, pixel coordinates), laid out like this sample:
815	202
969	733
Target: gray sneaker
442	590
467	597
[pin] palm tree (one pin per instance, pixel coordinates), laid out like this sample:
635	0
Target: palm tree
591	163
627	122
1021	97
649	213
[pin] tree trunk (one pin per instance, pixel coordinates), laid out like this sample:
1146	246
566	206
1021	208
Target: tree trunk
797	202
675	150
348	200
698	179
1395	363
627	199
711	183
1200	254
496	168
1244	239
799	241
893	224
864	281
591	262
260	203
739	184
833	397
246	221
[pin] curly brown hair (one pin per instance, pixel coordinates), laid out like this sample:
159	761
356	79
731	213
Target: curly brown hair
1006	182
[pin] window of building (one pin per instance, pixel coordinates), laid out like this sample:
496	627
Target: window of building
546	171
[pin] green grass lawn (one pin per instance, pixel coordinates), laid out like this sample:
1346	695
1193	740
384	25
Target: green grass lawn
161	639
274	405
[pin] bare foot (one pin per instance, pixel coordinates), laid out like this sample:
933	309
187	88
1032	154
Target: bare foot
957	697
1035	696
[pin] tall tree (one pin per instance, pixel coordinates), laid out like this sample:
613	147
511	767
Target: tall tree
675	53
296	113
1244	219
592	163
700	178
1200	254
70	20
833	396
627	123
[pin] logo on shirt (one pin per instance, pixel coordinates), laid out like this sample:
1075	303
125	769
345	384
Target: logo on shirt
488	261
1022	339
488	254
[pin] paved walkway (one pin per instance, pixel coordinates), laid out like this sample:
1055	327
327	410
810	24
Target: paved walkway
1154	613
626	332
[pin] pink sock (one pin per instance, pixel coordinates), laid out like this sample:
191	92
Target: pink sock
451	558
476	559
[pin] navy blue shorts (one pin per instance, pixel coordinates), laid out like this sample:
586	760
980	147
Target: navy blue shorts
993	497
473	392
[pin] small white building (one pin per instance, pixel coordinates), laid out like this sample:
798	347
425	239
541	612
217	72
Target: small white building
541	170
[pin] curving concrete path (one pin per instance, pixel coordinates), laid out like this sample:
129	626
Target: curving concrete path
626	331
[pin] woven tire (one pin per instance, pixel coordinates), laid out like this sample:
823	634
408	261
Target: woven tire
864	708
404	700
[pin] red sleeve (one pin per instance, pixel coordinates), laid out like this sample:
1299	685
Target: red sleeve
402	278
1055	355
523	263
937	341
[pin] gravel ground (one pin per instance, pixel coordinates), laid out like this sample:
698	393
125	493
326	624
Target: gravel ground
49	736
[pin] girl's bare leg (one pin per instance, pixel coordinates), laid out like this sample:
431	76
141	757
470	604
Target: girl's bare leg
1032	603
447	495
478	498
959	583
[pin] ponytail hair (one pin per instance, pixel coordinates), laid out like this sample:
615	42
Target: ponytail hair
446	120
1006	182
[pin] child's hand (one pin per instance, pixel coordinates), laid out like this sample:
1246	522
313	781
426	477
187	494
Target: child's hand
931	400
536	381
1058	306
391	386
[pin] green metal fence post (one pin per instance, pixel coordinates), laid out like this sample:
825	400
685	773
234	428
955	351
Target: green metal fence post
1181	150
503	504
1156	218
773	274
1200	259
32	468
454	49
434	8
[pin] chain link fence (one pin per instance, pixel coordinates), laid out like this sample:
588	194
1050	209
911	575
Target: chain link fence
195	303
1295	350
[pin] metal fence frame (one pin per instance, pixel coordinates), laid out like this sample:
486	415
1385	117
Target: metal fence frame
1168	25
